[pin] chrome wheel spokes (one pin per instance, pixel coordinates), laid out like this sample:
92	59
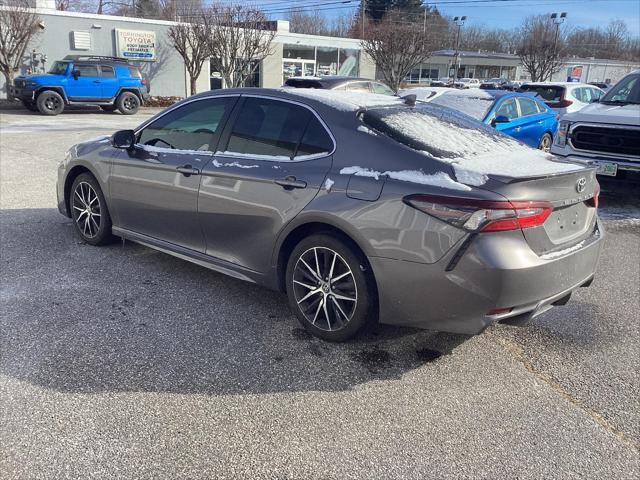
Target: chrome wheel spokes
86	209
325	288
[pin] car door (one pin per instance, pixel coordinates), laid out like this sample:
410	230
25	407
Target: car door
84	82
154	187
508	108
531	121
273	159
109	82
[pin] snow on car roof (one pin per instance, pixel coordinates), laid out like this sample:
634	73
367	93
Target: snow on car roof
346	101
473	153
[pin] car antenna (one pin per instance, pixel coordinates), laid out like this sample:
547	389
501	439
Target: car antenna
410	100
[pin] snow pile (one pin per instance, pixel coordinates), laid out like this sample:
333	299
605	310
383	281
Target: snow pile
475	151
439	179
346	101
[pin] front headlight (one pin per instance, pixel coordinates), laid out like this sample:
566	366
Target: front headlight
563	131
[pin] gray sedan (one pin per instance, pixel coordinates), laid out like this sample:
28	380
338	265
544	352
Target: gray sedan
363	208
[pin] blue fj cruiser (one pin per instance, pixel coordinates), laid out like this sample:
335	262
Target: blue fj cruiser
109	82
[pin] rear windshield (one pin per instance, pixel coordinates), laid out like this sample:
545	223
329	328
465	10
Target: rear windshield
475	105
549	93
134	72
301	83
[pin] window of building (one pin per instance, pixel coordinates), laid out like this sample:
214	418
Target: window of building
193	126
327	61
349	62
298	52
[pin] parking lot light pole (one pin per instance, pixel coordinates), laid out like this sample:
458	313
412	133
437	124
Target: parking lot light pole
557	19
459	21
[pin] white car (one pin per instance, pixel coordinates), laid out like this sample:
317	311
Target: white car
606	133
467	83
564	97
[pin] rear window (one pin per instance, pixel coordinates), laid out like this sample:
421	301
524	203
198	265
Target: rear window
475	105
302	83
548	93
134	72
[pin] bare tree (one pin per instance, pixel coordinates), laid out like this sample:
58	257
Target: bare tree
19	24
239	41
62	4
313	23
541	49
191	38
396	47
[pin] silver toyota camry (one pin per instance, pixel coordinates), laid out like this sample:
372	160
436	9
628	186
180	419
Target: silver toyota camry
363	208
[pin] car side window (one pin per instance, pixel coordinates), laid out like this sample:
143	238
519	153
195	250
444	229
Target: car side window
86	70
527	107
266	127
361	87
381	88
194	126
577	94
107	71
508	109
315	140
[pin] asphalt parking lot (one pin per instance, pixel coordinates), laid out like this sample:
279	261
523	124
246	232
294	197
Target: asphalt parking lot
122	362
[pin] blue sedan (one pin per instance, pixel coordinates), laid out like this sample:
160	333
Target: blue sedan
518	115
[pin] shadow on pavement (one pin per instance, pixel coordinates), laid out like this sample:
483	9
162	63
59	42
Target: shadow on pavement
77	318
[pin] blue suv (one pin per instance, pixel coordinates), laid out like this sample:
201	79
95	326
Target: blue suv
109	82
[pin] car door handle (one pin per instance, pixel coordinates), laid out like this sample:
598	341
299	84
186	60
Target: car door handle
290	182
188	170
97	81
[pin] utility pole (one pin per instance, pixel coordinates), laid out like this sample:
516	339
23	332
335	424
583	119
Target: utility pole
362	16
459	21
557	19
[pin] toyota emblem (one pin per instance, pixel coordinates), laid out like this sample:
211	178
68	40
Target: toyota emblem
581	185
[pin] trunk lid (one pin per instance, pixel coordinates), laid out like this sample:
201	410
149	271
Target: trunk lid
573	217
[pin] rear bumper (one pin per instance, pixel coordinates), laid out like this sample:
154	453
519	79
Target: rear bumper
492	273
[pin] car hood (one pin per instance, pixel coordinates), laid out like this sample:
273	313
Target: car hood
601	113
43	78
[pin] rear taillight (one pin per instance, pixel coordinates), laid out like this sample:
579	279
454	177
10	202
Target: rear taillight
482	215
595	200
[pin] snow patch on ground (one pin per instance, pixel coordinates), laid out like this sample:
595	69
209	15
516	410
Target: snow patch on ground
345	101
439	179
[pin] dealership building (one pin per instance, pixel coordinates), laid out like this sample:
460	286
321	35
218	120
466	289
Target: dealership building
146	42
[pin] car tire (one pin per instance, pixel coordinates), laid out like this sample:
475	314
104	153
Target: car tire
545	142
31	106
108	108
89	211
337	308
128	103
50	103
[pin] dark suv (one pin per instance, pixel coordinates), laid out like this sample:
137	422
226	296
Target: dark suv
110	82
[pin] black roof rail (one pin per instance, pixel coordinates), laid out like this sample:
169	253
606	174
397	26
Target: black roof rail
95	58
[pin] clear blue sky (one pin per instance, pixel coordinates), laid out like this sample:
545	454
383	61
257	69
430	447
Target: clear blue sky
493	13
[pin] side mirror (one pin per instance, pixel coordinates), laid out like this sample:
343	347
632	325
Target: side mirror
75	74
125	139
499	119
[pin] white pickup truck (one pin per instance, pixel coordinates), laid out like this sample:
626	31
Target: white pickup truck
606	133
